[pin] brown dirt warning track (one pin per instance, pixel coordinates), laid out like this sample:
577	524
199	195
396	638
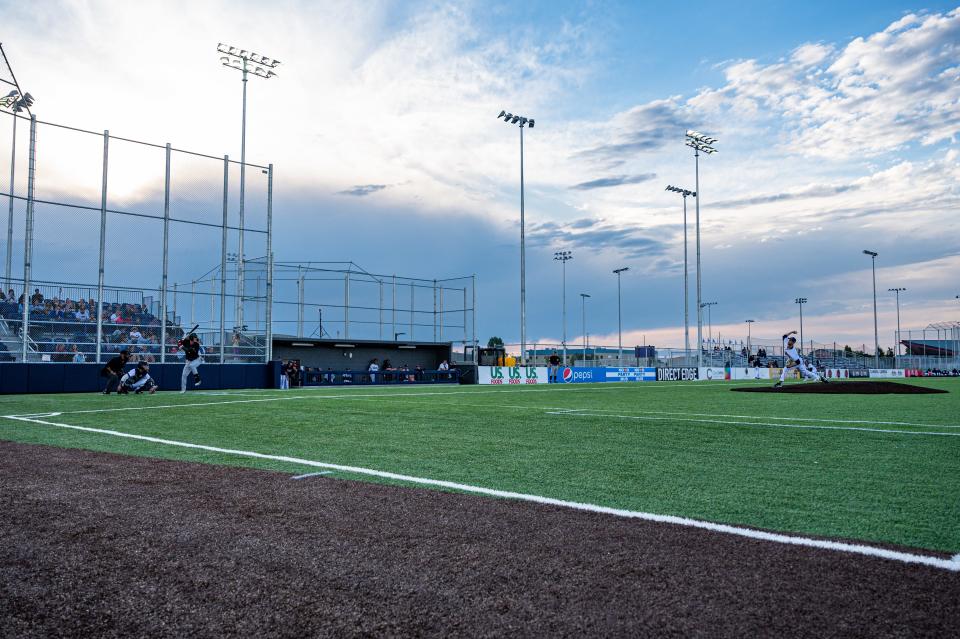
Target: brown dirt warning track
94	544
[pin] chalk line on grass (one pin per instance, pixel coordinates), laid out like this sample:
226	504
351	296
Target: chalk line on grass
322	472
762	424
857	549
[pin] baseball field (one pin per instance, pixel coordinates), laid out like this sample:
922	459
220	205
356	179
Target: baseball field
609	508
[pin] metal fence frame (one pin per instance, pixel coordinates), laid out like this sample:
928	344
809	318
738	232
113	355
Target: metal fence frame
22	323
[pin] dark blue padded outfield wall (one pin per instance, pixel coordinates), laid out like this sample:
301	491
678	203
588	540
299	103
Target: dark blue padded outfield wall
43	377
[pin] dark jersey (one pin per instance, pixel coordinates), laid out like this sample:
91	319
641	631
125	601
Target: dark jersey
191	350
115	366
554	360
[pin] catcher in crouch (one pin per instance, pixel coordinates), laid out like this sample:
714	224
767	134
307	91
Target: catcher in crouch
138	380
793	360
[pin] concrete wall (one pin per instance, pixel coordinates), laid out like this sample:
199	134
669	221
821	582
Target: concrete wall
44	377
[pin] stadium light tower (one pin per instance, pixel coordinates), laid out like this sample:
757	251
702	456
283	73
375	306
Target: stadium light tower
686	294
749	345
510	118
246	62
707	306
699	142
563	257
583	321
801	301
876	333
896	291
618	271
17	101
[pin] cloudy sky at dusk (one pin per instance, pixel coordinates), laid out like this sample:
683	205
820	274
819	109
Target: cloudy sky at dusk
837	124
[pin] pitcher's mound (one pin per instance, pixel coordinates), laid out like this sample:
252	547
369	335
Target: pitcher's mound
843	388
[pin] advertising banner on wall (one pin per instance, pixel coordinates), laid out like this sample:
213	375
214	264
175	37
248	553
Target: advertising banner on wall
631	374
858	372
715	373
516	375
886	373
577	375
678	374
834	373
750	373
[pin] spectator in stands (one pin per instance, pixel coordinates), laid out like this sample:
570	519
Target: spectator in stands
82	314
78	357
60	354
3	296
135	335
37	298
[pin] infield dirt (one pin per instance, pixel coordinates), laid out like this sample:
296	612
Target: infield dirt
844	388
94	544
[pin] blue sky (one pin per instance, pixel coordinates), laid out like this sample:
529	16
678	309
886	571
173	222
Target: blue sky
837	124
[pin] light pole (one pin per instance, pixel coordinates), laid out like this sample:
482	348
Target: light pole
16	101
583	322
876	333
563	257
749	345
510	118
699	142
897	292
686	294
707	306
260	66
801	301
618	271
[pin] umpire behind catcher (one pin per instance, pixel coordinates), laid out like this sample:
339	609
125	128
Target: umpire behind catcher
113	370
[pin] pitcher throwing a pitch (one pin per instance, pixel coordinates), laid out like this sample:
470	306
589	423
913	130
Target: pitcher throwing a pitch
792	360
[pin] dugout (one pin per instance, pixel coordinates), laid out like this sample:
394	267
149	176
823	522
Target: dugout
355	354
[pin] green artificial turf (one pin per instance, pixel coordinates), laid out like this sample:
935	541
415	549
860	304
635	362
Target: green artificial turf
636	446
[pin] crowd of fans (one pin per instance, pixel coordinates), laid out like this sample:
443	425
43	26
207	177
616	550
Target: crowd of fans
66	329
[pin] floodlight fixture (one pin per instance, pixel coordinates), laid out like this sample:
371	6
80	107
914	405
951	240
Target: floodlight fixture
870	253
512	118
699	142
241	60
617	272
563	257
683	192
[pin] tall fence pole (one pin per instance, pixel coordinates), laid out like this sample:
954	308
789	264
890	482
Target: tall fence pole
300	301
380	310
28	235
13	168
441	314
346	304
103	243
268	329
223	257
473	324
434	310
464	318
393	309
166	258
412	299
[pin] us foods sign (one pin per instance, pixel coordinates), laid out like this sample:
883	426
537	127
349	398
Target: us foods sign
677	374
517	375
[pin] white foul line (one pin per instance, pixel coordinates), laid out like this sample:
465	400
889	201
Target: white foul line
952	565
572	413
